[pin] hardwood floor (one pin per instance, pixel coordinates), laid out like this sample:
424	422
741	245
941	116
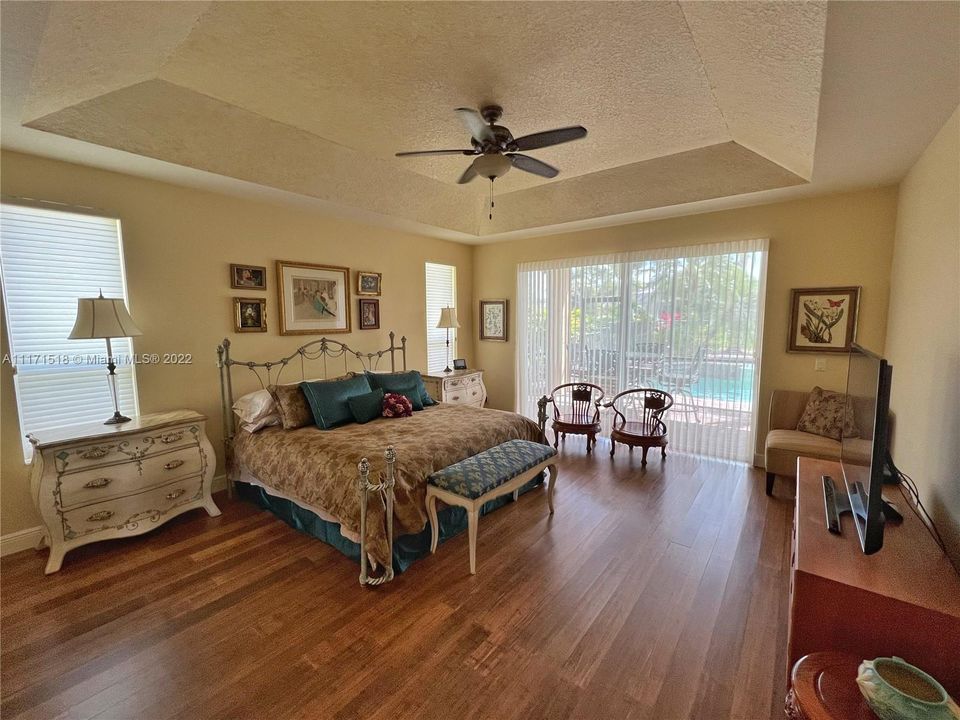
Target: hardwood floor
653	594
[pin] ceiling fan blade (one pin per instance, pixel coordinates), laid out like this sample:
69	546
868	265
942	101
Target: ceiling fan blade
549	137
469	174
532	165
476	125
435	152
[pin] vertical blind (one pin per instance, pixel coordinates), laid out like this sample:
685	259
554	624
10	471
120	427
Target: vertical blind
48	259
687	320
441	292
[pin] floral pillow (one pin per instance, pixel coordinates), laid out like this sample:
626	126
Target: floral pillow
827	414
396	405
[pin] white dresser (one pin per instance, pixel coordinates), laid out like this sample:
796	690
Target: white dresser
459	387
97	482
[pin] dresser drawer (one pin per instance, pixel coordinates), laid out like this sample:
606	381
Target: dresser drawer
132	512
127	448
459	383
465	396
96	484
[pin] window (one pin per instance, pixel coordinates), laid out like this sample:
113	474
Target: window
48	259
441	293
686	320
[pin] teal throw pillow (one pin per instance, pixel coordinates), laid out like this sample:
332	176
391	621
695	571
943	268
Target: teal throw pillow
393	382
366	407
328	400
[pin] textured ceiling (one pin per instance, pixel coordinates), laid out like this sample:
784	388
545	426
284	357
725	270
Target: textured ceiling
684	101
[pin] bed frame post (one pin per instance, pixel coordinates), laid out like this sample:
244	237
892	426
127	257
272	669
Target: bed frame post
226	408
385	489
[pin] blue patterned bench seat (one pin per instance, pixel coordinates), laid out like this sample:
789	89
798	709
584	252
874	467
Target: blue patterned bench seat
500	470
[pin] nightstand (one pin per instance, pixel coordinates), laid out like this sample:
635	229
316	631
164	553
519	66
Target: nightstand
459	387
96	482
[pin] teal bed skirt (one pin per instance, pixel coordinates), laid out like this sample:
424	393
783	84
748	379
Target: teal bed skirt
406	548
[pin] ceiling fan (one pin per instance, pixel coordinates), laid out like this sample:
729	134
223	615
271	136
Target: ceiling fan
495	150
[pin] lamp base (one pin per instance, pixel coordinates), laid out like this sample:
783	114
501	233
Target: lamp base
117	419
447	370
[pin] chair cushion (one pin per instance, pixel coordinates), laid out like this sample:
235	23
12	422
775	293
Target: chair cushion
827	414
491	468
784	446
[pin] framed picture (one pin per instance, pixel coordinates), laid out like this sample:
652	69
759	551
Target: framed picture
460	364
493	320
249	314
823	319
368	283
314	299
248	277
369	314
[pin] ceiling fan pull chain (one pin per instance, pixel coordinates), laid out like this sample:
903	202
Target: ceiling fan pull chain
491	199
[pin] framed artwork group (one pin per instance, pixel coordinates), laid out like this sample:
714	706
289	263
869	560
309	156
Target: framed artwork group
313	298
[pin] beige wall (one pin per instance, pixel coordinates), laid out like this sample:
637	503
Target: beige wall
178	243
834	240
923	334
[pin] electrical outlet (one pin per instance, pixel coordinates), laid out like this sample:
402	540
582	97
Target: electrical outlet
820	365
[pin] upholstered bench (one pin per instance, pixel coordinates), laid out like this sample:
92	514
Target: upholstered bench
470	483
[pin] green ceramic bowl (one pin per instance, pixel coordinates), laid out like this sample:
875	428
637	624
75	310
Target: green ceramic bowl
896	690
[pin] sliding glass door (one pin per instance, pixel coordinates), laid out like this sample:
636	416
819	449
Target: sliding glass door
687	320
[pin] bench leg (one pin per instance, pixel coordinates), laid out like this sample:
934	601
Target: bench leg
434	524
770	478
472	517
553	484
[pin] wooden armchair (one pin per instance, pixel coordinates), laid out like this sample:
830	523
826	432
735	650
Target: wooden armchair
638	420
576	411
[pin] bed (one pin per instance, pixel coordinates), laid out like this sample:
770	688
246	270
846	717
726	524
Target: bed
309	477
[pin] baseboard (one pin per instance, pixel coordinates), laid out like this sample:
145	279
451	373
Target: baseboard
759	460
30	537
20	540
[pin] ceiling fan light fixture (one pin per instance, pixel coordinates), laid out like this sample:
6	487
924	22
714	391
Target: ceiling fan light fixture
492	166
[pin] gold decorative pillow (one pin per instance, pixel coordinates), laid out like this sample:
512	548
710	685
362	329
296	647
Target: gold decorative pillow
292	405
826	414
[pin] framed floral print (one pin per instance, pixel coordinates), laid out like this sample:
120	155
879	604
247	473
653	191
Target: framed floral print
249	314
369	314
368	283
823	319
493	320
249	277
314	299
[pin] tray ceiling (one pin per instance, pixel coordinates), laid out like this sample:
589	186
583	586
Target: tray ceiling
683	101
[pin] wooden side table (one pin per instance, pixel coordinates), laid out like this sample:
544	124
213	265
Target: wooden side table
824	687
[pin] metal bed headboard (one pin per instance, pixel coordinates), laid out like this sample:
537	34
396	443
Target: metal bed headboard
270	372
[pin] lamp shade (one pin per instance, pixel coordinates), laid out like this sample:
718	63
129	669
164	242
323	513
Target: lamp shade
448	318
102	317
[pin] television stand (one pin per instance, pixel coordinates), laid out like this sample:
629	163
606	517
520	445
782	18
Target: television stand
903	600
834	504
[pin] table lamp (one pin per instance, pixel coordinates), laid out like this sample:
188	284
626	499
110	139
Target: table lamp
105	318
448	320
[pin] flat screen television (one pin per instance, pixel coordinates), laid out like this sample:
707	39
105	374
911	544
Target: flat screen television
864	458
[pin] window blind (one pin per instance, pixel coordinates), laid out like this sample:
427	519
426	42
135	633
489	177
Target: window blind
441	283
48	259
687	320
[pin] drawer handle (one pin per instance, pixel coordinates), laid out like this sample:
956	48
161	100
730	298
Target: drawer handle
455	397
97	483
96	453
102	515
175	494
173	465
171	437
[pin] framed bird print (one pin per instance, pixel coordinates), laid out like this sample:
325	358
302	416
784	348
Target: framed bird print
823	319
314	299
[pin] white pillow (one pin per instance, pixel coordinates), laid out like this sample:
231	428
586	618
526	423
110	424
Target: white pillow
254	407
253	427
